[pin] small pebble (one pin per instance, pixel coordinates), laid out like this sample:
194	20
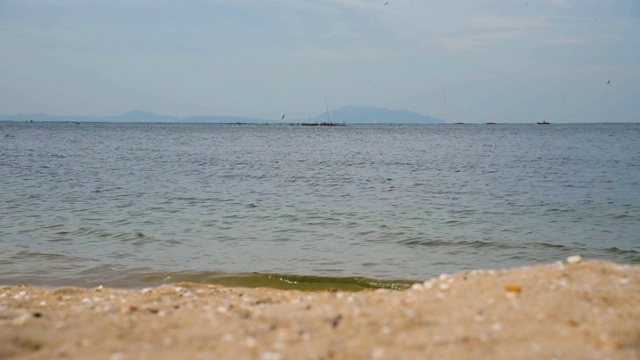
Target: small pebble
270	356
417	287
513	288
575	259
377	354
428	284
21	318
336	320
612	344
250	342
511	295
116	356
410	313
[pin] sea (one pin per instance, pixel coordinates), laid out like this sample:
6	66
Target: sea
356	206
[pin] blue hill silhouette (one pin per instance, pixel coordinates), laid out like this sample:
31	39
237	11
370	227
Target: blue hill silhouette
347	114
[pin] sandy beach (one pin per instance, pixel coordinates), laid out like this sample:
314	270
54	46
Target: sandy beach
563	310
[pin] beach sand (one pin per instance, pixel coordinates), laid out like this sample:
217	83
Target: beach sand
582	310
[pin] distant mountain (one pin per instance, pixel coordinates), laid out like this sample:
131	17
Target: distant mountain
141	116
372	115
135	116
348	114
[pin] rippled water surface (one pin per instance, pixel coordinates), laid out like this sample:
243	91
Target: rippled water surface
129	204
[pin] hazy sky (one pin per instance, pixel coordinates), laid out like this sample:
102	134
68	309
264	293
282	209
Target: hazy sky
460	60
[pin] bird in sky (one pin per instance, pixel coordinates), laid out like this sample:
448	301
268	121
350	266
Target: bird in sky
608	82
385	4
282	116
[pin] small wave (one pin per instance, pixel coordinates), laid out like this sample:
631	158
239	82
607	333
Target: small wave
622	216
42	256
134	237
474	244
84	231
275	281
550	246
618	251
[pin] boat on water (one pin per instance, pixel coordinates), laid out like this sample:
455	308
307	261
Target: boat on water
490	123
543	122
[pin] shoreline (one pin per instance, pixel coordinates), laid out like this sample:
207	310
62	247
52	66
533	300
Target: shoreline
564	310
274	281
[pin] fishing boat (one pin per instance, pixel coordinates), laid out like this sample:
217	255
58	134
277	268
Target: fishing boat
543	122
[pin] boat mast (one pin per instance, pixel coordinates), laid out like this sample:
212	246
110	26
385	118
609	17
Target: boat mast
327	107
444	96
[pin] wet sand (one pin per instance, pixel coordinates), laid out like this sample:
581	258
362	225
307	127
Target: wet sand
584	310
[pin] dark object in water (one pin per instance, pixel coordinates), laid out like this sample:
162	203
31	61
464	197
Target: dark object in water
543	122
326	123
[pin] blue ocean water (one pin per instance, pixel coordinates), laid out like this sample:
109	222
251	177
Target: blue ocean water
131	204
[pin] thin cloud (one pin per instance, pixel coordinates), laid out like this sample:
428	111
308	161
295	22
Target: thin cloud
563	3
508	22
481	31
567	41
475	42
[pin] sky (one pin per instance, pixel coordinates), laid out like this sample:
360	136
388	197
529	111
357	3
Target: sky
460	60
